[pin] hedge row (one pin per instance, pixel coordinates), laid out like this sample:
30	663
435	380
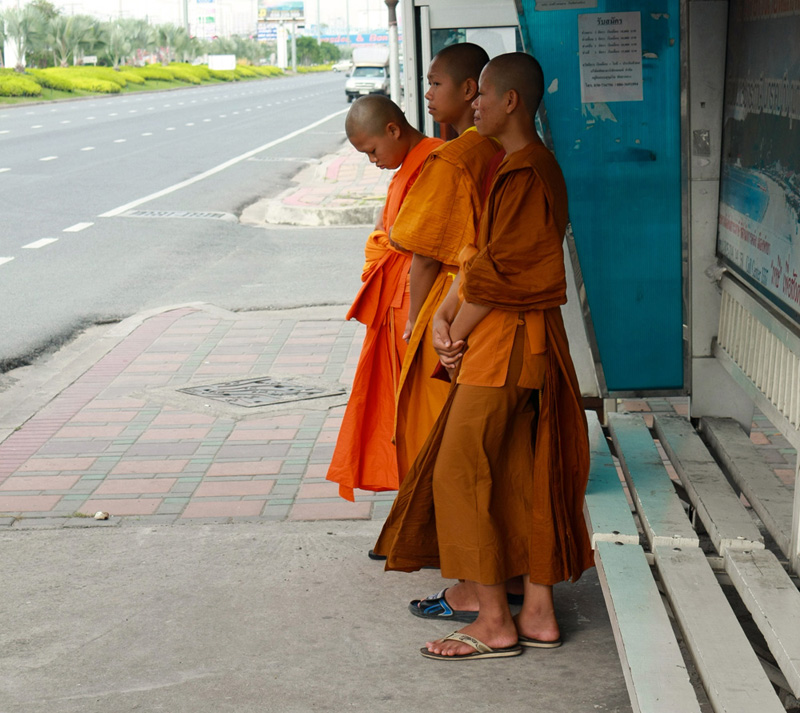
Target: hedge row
105	80
18	86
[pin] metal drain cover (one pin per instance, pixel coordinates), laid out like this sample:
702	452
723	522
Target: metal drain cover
203	215
265	391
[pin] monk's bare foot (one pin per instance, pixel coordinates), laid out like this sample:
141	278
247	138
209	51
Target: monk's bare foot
497	634
537	618
462	597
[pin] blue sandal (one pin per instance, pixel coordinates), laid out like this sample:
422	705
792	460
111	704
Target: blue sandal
436	607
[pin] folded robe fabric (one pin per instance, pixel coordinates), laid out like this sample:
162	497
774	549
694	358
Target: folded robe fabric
440	217
365	456
516	267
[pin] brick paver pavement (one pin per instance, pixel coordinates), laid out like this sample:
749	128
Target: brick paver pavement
122	439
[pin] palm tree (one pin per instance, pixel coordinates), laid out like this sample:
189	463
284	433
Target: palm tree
68	36
22	31
117	44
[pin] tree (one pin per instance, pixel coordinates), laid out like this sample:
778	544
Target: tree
69	36
117	46
23	28
311	52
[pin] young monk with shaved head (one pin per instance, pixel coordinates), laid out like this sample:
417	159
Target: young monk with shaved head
498	489
365	456
440	217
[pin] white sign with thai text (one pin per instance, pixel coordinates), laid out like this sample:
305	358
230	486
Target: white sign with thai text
610	50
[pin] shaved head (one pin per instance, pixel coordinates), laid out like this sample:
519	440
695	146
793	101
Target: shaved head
371	114
522	73
462	61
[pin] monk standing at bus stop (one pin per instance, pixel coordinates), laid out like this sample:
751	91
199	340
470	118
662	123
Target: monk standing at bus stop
365	456
439	218
497	491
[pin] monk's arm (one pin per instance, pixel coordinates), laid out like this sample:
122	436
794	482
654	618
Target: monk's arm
469	316
421	276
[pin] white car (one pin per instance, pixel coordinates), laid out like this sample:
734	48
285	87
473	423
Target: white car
344	66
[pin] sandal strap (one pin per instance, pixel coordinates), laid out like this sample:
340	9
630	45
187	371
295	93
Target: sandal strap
479	646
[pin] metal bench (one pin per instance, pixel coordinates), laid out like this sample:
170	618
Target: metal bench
732	675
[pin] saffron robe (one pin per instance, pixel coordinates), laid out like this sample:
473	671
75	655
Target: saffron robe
496	523
365	456
440	218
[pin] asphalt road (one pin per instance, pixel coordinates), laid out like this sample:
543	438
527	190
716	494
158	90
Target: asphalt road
76	178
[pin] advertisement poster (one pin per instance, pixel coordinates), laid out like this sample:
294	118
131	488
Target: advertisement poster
277	10
610	50
759	234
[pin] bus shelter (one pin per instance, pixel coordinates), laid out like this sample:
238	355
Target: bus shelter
675	123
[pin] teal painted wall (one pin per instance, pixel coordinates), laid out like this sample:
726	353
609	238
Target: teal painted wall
622	164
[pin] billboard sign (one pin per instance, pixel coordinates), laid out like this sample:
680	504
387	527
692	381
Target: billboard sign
280	10
759	232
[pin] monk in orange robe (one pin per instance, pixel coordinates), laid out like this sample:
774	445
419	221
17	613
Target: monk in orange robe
498	489
365	456
439	219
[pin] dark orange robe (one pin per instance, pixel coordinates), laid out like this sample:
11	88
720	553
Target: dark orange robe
441	217
470	516
365	456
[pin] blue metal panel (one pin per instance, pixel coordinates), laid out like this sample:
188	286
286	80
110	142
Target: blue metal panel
622	164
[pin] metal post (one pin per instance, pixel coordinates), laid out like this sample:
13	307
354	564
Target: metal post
294	46
319	25
394	52
186	15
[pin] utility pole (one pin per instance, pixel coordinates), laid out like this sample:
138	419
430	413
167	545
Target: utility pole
186	16
394	53
319	25
294	46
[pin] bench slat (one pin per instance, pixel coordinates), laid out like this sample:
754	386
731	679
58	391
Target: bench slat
654	670
731	673
770	498
725	518
608	514
774	602
658	505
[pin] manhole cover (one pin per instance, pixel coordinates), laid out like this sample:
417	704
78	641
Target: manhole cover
197	214
265	391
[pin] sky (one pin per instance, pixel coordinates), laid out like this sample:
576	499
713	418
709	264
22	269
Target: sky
237	15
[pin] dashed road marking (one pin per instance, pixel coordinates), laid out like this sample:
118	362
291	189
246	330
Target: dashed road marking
147	133
221	167
206	120
114	114
4	131
191	123
4	170
77	227
89	118
66	121
88	148
170	128
36	126
49	158
39	243
120	141
4	260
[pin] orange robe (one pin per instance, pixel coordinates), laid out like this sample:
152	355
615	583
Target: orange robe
365	456
498	488
441	217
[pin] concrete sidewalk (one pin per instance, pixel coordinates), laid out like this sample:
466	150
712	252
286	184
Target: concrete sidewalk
273	605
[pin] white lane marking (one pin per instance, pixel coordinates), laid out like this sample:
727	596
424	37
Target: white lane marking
77	227
4	260
36	126
191	123
206	120
88	148
221	167
170	128
147	133
235	113
49	158
151	108
222	116
133	111
114	114
66	121
39	243
4	131
120	141
4	170
89	118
